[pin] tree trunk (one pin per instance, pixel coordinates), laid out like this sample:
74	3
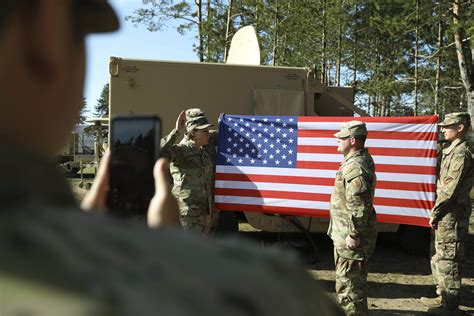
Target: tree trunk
466	77
323	44
374	105
438	58
339	47
354	53
227	30
415	90
387	106
208	29
275	34
369	97
382	105
200	39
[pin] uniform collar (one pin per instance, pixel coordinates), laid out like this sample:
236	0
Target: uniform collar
359	152
453	145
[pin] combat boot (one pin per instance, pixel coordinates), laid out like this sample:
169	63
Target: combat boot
431	302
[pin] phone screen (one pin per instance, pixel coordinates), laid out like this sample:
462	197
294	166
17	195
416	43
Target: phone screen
134	145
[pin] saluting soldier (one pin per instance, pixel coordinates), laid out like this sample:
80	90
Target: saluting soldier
450	215
353	218
192	168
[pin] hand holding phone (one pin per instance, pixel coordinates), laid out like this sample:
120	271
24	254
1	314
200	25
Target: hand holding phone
134	146
163	209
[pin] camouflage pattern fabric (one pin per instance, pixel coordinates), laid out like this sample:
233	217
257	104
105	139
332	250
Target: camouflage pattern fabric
353	214
57	260
192	171
452	210
201	224
351	284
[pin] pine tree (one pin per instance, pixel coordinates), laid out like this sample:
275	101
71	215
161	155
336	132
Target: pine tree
102	106
84	111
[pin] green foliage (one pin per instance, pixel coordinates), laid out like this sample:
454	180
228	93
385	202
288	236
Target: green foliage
102	106
84	111
371	44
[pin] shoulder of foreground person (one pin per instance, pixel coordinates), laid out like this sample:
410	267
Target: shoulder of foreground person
133	270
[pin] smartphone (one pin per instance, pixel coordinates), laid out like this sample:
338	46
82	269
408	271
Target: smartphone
135	147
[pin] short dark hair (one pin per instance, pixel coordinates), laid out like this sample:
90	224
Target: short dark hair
361	138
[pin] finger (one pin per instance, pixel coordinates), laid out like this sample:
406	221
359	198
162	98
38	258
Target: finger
163	209
103	170
160	173
96	198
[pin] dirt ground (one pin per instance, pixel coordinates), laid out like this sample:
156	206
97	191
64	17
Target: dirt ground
397	279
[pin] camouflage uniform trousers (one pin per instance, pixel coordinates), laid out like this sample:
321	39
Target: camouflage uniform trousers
204	224
447	258
351	284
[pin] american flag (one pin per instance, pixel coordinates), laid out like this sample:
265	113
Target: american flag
287	165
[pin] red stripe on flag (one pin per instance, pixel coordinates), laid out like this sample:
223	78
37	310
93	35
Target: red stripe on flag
389	185
425	205
372	134
274	179
408	186
383	218
385	119
377	151
318	165
304	196
378	167
273	209
404	220
275	194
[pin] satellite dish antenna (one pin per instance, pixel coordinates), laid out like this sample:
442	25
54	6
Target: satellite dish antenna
244	49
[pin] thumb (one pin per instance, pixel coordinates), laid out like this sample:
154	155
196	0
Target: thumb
96	198
163	209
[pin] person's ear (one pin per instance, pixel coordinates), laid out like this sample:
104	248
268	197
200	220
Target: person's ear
43	27
461	127
352	141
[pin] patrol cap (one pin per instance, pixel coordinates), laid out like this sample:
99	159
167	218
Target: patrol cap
198	122
95	16
352	129
456	118
194	112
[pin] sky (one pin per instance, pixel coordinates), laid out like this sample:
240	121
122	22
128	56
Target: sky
130	42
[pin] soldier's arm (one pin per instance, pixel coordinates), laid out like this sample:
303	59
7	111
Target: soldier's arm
458	167
357	192
168	148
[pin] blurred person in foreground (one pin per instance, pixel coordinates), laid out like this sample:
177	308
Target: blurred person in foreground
450	215
192	165
353	218
56	259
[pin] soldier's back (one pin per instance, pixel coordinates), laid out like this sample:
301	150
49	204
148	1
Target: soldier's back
54	257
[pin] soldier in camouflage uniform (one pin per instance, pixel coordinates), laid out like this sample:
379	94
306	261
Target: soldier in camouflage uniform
353	218
57	260
192	168
450	214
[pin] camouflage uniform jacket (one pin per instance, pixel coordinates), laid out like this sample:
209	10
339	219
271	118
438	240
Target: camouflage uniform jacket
57	260
192	170
453	205
352	211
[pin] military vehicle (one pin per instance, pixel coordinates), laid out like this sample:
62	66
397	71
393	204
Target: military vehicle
79	149
79	158
165	88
